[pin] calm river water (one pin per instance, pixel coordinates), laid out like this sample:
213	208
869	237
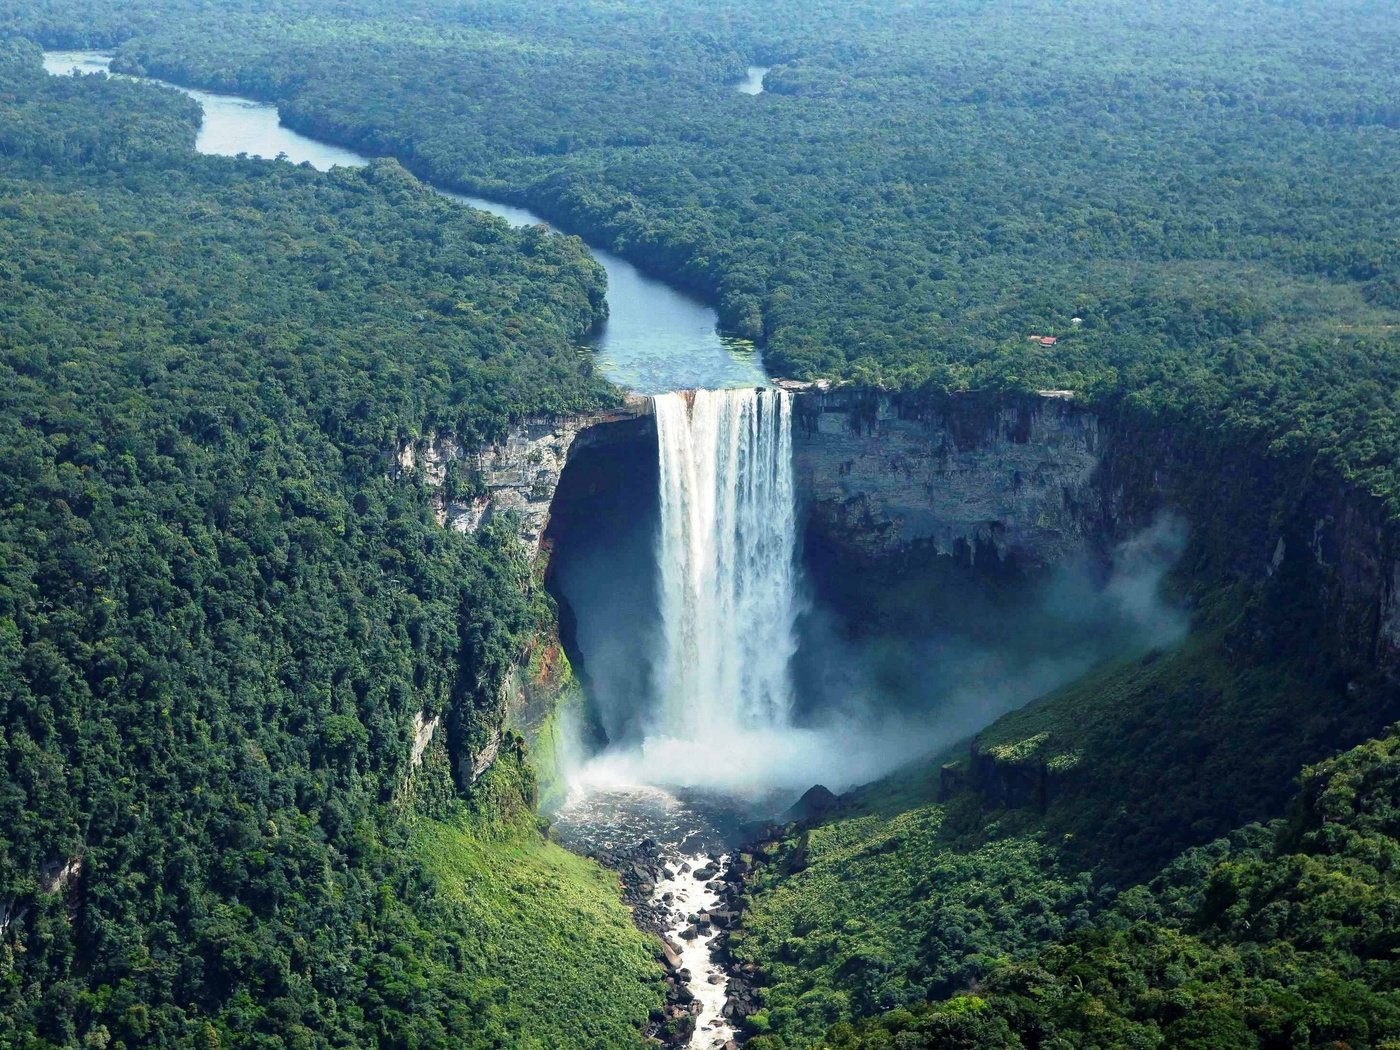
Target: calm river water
656	338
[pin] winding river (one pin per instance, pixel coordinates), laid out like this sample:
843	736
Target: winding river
656	338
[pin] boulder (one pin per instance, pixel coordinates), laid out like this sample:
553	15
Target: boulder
671	954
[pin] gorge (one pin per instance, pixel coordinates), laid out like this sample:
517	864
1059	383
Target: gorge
761	586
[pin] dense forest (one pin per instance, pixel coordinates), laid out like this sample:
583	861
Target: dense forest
219	613
959	915
1211	189
1276	936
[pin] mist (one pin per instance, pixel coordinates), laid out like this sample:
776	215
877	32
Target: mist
876	687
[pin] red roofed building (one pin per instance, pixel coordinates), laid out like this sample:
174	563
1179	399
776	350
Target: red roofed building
1048	340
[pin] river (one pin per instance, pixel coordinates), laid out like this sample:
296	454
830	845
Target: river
656	338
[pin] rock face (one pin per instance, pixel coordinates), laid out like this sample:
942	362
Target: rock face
517	475
1032	479
423	729
960	475
816	802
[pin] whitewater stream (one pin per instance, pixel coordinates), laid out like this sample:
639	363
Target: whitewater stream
726	569
694	834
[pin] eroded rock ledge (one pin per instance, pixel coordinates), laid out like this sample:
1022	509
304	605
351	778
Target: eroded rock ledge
889	472
517	475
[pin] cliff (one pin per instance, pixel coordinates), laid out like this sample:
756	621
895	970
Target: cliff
882	473
517	475
1034	479
1293	572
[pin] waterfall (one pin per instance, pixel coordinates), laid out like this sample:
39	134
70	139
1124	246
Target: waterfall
726	559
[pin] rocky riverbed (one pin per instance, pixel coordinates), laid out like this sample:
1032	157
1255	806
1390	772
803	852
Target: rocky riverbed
681	874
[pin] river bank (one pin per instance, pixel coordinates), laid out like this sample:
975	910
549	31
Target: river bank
681	860
656	339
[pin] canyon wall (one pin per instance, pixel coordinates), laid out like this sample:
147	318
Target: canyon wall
1019	481
880	474
1030	480
517	475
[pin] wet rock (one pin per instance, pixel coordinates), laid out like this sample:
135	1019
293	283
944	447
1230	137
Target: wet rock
671	954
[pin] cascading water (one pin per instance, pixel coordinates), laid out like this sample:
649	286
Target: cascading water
726	559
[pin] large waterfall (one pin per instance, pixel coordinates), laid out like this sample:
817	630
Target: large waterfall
726	561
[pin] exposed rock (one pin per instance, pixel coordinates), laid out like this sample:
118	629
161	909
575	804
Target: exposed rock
478	762
57	875
423	729
882	473
671	954
517	474
1012	781
1034	479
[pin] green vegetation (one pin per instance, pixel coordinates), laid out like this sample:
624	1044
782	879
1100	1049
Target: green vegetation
1074	922
1211	189
1283	935
548	939
219	613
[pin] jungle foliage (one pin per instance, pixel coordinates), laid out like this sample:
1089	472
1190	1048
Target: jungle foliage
1278	936
221	604
948	917
1211	189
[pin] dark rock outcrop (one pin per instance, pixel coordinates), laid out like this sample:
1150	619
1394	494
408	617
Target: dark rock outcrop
815	803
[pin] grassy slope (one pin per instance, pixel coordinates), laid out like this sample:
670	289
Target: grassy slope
548	943
901	897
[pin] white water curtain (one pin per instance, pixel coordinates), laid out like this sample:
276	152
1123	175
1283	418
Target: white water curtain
726	559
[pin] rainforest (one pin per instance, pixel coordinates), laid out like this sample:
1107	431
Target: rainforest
696	524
